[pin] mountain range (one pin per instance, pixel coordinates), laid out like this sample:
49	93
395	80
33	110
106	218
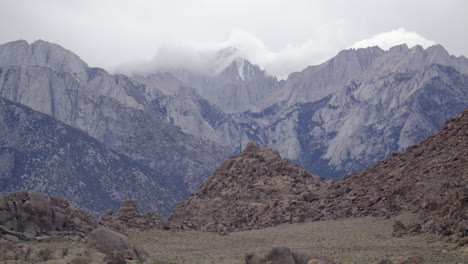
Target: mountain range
176	127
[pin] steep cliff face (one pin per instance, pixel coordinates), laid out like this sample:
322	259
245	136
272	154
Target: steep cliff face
240	86
114	109
316	82
42	53
39	153
378	112
365	122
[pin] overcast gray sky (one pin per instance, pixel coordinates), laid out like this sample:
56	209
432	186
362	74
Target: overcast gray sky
279	35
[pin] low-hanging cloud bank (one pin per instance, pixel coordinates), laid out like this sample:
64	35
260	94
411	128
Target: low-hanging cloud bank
212	57
387	40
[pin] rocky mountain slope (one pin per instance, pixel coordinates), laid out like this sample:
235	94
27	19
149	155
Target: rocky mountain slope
114	109
257	189
237	87
364	121
430	178
39	153
316	82
343	115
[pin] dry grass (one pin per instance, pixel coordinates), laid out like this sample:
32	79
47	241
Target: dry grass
358	240
353	240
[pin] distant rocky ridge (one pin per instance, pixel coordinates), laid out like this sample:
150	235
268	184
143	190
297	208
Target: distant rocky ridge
40	153
364	121
341	116
257	189
114	109
239	87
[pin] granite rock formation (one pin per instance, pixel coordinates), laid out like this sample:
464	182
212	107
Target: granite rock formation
128	216
30	215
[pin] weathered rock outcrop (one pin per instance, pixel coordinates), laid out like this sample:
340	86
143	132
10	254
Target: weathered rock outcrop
31	215
128	216
251	190
430	178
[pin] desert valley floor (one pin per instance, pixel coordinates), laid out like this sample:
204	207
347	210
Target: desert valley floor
353	240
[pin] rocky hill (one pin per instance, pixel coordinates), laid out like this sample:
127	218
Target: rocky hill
430	178
257	189
249	191
39	153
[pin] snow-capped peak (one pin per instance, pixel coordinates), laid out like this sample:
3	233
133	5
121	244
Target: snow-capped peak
240	67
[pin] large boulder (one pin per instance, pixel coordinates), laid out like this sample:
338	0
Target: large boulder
113	244
254	258
281	255
284	255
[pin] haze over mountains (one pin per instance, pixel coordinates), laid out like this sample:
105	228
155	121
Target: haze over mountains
333	119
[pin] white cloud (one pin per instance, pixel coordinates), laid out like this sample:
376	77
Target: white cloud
202	56
387	40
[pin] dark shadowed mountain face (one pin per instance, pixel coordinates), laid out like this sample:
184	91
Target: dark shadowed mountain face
40	153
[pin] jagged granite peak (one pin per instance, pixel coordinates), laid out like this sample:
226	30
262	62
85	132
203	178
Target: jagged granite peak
401	58
236	86
316	82
42	53
248	191
39	153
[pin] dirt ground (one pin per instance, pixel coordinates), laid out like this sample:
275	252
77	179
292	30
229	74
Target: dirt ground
353	240
357	240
